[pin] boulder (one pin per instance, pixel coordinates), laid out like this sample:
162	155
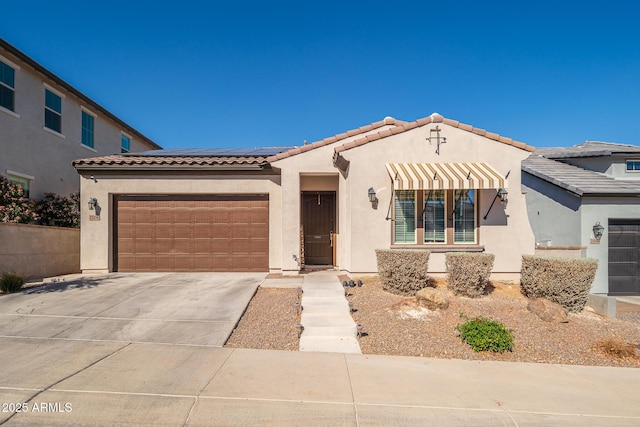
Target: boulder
547	310
432	299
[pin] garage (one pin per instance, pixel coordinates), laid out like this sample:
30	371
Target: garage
191	233
624	254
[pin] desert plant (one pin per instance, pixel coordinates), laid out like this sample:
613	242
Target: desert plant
59	211
14	207
468	273
403	272
566	281
10	282
484	334
617	348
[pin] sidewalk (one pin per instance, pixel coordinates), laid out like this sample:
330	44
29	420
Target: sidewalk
107	383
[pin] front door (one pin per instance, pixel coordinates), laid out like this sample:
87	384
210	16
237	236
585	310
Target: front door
318	221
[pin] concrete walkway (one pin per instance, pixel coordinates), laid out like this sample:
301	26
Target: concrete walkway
326	315
77	382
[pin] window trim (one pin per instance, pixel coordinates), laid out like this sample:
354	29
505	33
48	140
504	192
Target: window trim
126	135
626	163
83	111
15	68
475	218
423	219
24	176
46	108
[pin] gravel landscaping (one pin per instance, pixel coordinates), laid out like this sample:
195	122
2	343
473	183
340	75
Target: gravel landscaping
396	325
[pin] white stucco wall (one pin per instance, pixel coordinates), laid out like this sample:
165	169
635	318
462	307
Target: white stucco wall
97	236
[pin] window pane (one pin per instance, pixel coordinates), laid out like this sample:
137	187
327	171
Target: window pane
53	101
87	129
404	217
434	223
633	165
7	75
6	98
125	144
52	120
464	217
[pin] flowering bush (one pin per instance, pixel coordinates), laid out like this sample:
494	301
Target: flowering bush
59	211
14	207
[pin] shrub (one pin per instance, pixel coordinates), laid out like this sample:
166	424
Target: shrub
468	273
617	348
566	281
59	211
14	207
484	334
10	282
403	272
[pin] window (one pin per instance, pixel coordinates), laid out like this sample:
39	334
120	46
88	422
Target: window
633	165
125	144
464	223
405	216
52	111
23	181
447	217
434	218
87	129
7	87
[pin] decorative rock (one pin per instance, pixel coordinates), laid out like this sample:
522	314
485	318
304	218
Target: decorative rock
547	310
432	299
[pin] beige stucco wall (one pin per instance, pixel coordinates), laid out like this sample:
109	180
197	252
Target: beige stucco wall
35	251
97	236
29	149
505	233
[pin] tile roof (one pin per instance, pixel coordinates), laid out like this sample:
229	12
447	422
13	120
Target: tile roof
577	180
148	160
433	118
387	121
588	149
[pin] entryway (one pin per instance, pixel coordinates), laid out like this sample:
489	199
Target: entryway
624	256
319	227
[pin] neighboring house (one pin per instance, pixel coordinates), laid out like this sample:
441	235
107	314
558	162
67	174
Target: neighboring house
587	197
433	183
45	124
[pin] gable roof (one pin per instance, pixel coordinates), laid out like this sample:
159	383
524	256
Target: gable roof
5	46
588	149
577	180
399	127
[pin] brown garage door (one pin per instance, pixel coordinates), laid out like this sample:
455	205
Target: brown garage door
192	233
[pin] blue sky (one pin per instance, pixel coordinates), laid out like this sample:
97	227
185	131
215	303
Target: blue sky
250	74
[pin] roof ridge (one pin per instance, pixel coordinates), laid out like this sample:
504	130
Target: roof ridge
434	118
387	121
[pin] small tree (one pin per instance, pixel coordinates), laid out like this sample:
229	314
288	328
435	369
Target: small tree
59	211
14	207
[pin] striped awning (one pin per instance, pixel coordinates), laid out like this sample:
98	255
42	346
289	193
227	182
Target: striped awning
444	176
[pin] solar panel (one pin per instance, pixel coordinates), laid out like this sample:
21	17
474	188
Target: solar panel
216	152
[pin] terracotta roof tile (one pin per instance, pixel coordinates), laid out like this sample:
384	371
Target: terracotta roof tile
434	118
142	160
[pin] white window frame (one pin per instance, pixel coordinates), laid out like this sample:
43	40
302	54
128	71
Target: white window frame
62	96
424	218
475	217
415	219
627	161
95	116
130	139
15	67
29	178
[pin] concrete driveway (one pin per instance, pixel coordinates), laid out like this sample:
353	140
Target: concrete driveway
168	308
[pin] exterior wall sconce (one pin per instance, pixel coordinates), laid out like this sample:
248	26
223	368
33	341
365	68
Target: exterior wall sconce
93	202
502	193
372	195
597	230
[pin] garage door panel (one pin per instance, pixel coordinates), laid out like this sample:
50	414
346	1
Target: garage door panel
624	259
192	233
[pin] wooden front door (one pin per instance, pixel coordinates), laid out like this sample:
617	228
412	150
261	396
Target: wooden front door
318	220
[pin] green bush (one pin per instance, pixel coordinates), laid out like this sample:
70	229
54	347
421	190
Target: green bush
566	281
59	211
10	282
403	271
484	334
468	273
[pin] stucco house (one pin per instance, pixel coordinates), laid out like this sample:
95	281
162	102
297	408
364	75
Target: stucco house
45	123
432	183
585	199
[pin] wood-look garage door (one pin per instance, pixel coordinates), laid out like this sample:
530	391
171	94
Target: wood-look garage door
192	233
624	257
